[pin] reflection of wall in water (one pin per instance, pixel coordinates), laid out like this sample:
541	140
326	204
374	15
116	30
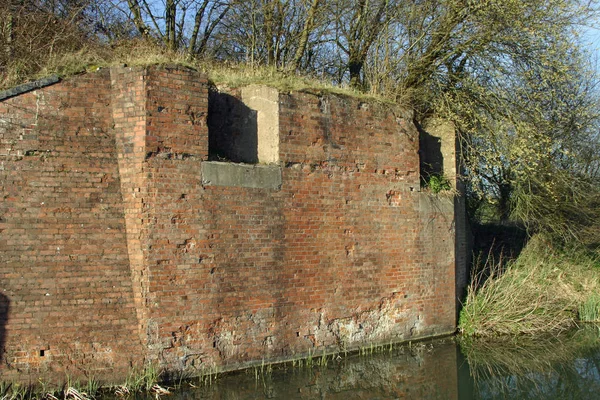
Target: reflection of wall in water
422	371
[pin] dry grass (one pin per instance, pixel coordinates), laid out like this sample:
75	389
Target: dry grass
139	53
238	75
92	56
541	291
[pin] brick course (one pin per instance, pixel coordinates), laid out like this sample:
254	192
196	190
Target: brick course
104	209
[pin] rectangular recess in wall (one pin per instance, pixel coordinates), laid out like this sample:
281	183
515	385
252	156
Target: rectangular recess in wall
241	175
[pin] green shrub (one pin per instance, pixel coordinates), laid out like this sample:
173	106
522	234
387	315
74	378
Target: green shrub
438	183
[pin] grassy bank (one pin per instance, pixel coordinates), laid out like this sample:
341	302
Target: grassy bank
544	289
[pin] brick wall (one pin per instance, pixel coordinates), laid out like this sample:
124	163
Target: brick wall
346	252
63	256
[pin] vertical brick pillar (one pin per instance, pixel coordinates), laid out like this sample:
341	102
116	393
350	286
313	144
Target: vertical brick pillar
159	116
128	99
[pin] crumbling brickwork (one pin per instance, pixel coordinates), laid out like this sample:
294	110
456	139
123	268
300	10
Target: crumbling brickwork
107	211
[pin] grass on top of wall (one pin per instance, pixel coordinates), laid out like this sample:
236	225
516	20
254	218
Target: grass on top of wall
143	53
545	289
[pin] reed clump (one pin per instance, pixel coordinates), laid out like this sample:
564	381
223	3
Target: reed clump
546	289
589	310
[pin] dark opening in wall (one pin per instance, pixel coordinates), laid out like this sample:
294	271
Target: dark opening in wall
232	129
431	158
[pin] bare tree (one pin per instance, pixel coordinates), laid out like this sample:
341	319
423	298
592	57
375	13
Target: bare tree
170	23
307	29
357	26
210	20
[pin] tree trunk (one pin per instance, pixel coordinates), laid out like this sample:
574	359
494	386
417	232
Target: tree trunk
196	30
134	7
269	25
170	20
505	190
306	30
355	67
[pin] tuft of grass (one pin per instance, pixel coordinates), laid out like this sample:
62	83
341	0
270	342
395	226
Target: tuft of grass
541	291
91	57
209	375
589	309
240	74
140	381
15	391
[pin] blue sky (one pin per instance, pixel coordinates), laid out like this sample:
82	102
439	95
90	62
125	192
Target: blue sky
591	39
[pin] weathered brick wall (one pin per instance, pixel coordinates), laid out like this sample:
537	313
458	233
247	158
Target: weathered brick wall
346	252
63	256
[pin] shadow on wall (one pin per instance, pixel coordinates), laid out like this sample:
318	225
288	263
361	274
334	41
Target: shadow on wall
430	152
4	310
232	129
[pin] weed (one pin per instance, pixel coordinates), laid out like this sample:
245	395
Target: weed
15	391
323	360
309	361
92	387
209	375
138	381
438	183
589	310
540	291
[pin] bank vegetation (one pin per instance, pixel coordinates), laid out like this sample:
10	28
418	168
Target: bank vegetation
545	289
512	76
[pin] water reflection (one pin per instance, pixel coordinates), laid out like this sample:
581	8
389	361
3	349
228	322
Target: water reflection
565	367
420	371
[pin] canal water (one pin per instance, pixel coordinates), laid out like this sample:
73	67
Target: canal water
553	367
